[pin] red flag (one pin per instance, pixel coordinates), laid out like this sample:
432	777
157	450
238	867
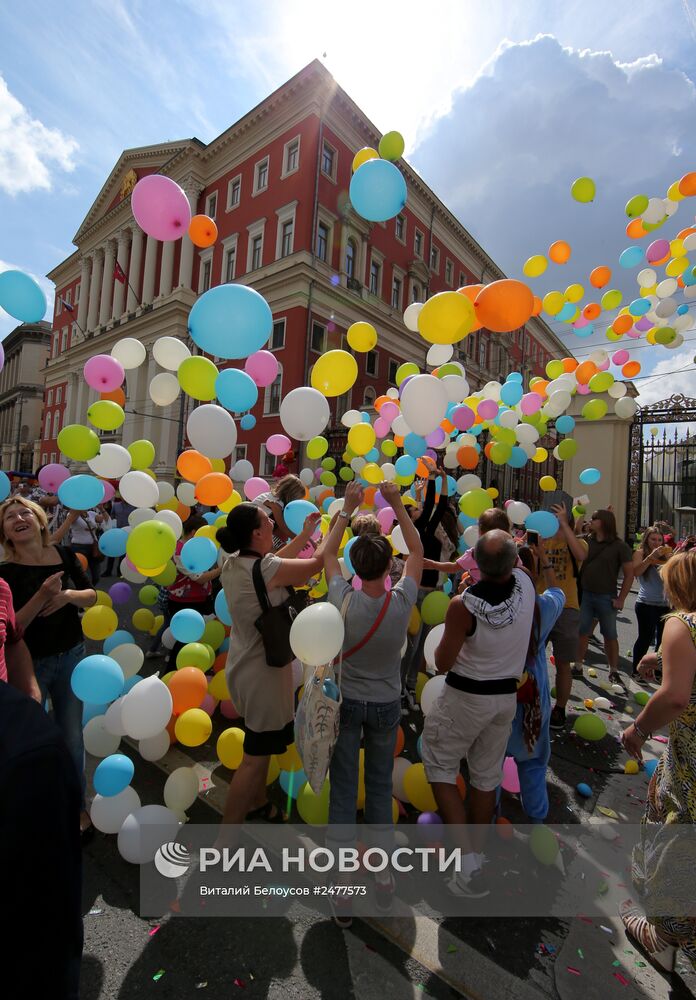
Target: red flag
119	273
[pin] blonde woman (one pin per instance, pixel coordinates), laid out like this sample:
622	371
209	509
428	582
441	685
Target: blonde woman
48	588
651	605
661	866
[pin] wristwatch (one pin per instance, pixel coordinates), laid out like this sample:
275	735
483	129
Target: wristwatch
344	513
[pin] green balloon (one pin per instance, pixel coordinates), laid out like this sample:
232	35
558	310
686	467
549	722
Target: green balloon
590	727
391	146
404	370
78	442
142	454
543	844
641	697
583	189
389	448
636	205
665	334
193	654
346	474
567	448
611	299
148	595
106	415
329	464
317	447
474	502
500	453
505	435
601	381
328	479
594	409
213	634
434	608
167	576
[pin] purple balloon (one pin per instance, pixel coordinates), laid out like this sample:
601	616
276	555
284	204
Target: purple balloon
657	250
435	437
463	417
119	592
429	819
643	324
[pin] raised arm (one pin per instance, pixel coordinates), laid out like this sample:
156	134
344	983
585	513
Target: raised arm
332	543
412	538
578	548
299	542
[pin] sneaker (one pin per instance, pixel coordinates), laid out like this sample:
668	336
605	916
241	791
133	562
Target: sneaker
576	671
474	887
558	718
341	910
384	894
615	677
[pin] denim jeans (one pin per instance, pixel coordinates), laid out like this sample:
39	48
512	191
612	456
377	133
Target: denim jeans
53	674
378	722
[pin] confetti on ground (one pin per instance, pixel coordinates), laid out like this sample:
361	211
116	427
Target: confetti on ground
641	965
240	983
158	975
607	930
573	971
490	943
616	963
153	930
605	811
451	949
602	889
580	953
622	979
202	985
95	913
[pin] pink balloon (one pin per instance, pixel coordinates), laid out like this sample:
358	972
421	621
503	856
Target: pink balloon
584	390
634	333
208	704
488	409
507	504
389	412
262	367
604	366
463	417
278	444
580	322
381	427
511	779
160	207
104	373
52	476
356	583
109	491
530	403
620	357
227	710
386	519
254	487
643	324
657	250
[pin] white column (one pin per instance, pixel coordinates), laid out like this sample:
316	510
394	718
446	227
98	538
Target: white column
107	287
71	390
82	403
192	191
151	431
166	269
149	276
119	287
94	289
134	269
84	293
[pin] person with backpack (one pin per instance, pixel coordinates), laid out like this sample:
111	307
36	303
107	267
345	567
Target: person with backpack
565	552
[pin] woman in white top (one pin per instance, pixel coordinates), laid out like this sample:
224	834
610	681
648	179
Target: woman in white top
84	535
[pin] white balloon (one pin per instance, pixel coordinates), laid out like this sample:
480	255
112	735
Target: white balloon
666	308
398	541
424	403
518	512
690	242
654	212
491	390
526	433
164	389
469	481
186	493
112	719
646	278
602	703
129	573
456	387
411	320
129	352
166	492
666	288
625	407
316	635
559	401
431	692
351	417
599	356
304	413
682	323
690	292
307	477
169	352
471	535
241	471
432	642
112	462
345	572
358	463
438	354
154	747
139	489
392	393
617	390
529	449
401	766
450	460
400	426
677	342
97	738
335	506
212	431
670	207
389	472
108	812
181	789
171	518
168	640
144	831
508	418
130	659
147	708
140	515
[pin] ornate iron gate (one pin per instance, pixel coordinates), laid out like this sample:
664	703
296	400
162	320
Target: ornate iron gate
662	466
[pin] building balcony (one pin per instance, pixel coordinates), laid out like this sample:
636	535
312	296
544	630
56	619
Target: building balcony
353	285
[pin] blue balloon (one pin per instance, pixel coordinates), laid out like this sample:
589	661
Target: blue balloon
81	492
405	466
584	331
113	542
365	418
639	307
682	310
22	297
187	625
377	191
511	393
236	390
330	689
131	682
221	609
583	789
518	458
90	712
5	486
198	555
248	422
565	424
415	445
447	586
225	644
346	555
542	521
230	321
466	521
514	377
295	513
567	312
632	256
118	638
372	455
588	477
211	516
326	504
650	767
689	276
292	781
113	774
97	679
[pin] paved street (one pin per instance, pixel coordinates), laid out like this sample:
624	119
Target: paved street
302	955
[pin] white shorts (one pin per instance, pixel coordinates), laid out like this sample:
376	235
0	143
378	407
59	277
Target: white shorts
475	726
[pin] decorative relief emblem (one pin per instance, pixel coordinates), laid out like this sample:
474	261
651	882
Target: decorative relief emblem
128	183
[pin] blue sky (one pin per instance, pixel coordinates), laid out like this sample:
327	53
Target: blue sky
502	104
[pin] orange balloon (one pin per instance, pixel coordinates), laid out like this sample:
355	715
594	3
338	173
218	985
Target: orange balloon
538	306
585	371
559	252
171	726
400	740
487	449
115	396
540	387
504	305
623	323
471	291
422	470
632	368
323	496
381	400
193	466
447	426
569	364
369	495
600	276
183	511
461	785
202	231
188	688
219	664
82	559
686	232
635	230
213	489
468	457
592	310
687	185
398	441
660	262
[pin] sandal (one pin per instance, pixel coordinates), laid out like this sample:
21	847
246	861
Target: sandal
656	947
268	812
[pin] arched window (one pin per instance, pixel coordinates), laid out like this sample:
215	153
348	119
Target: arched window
369	396
273	393
56	423
350	258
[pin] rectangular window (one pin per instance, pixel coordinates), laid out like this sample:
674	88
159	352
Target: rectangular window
268	462
318	338
234	192
230	263
59	394
396	293
49	398
77	293
278	335
68	296
415	291
418	243
47	427
240	452
292	156
272	396
375	275
261	176
400	228
64	341
58	305
53	456
256	252
328	160
286	238
211	205
482	353
449	271
393	367
435	259
462	279
322	241
371	362
207	268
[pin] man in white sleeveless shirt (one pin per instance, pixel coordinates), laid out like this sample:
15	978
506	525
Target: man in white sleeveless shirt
483	652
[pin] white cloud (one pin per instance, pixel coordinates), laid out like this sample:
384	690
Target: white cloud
28	149
682	378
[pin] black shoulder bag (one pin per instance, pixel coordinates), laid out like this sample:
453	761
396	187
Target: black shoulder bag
274	622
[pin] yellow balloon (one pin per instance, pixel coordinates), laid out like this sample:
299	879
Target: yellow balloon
362	156
553	302
362	337
676	266
540	455
169	505
535	266
418	789
218	687
414	621
673	192
99	622
218	464
676	247
334	373
492	492
574	293
290	760
230	747
193	727
143	619
446	318
208	531
372	473
547	484
361	438
103	598
230	503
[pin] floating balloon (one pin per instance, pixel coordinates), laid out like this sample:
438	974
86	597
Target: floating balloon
542	521
160	207
588	477
504	305
377	190
105	415
316	635
169	352
78	442
391	146
51	476
198	376
559	252
583	189
164	389
198	555
212	430
22	297
304	413
139	489
334	373
236	390
535	266
446	318
81	493
129	352
202	231
362	337
262	367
